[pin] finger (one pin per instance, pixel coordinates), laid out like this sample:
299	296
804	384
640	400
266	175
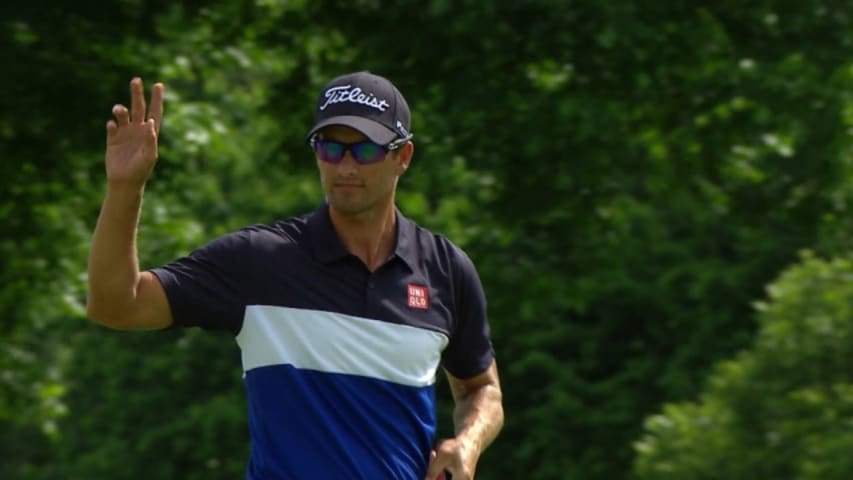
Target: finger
155	108
436	467
137	101
122	117
151	139
152	132
437	476
112	128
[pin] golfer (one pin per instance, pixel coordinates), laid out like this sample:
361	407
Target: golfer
343	315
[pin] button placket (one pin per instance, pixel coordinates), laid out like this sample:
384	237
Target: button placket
370	296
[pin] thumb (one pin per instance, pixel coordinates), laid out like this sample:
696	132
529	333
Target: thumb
435	469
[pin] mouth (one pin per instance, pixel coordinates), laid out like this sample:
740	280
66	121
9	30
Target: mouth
348	185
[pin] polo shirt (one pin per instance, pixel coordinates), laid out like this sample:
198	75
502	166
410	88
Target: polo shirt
339	363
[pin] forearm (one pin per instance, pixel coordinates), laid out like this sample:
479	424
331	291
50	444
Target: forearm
478	416
113	263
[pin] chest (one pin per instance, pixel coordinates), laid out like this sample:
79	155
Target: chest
394	293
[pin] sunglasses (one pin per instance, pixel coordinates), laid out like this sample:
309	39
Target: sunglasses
363	153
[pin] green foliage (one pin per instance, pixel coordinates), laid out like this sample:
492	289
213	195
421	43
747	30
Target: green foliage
627	176
782	409
165	405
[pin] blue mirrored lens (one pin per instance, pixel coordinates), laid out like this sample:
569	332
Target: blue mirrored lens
330	151
367	152
362	152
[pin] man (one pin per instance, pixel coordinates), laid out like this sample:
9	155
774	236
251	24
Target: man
342	315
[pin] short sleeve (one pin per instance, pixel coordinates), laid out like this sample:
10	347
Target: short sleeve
207	287
469	351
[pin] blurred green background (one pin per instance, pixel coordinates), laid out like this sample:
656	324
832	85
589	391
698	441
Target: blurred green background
657	196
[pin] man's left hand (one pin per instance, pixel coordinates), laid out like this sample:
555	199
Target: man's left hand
454	457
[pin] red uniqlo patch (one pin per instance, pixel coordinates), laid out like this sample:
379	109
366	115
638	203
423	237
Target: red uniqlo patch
418	297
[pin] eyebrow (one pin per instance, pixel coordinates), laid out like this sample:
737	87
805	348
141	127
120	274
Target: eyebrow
320	136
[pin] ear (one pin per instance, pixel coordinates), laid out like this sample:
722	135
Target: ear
404	157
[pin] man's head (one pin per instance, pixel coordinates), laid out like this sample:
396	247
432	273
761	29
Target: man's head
361	142
365	102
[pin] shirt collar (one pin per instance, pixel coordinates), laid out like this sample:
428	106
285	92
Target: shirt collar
327	248
405	247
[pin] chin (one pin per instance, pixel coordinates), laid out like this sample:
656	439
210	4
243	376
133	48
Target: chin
349	207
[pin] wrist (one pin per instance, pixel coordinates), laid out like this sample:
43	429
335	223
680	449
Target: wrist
126	183
468	442
125	189
124	200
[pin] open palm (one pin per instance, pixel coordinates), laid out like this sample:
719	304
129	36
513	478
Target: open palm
132	136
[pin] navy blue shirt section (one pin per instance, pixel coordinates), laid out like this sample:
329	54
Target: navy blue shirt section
301	263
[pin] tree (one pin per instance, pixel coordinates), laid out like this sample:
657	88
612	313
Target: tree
783	408
644	171
626	176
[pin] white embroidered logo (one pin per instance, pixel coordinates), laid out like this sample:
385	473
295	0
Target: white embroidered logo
402	129
418	297
345	93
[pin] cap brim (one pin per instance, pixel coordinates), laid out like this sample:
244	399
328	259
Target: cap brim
376	132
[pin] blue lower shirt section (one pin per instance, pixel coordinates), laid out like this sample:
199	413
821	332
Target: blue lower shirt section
306	424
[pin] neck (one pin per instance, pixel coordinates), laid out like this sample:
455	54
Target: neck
368	235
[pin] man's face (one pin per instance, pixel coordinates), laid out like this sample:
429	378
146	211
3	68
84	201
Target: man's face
352	188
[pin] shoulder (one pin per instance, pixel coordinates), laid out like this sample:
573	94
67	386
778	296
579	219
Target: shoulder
261	237
437	249
289	230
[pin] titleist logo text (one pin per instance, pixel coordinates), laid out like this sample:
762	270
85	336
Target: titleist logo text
345	93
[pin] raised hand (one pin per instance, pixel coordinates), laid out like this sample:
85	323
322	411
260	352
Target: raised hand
132	137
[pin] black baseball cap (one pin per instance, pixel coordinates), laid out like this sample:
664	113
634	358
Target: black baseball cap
366	102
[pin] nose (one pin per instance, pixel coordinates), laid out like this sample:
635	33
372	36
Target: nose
347	165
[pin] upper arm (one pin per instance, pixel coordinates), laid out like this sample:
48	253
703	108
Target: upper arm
469	352
153	311
462	388
149	310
